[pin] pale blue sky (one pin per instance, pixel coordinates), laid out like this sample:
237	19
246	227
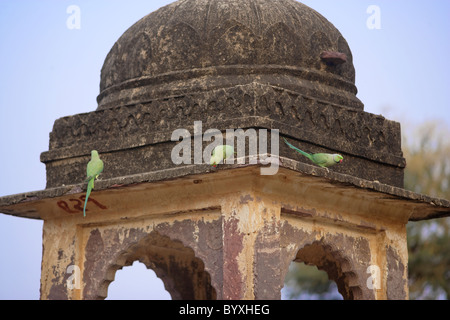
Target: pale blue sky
48	71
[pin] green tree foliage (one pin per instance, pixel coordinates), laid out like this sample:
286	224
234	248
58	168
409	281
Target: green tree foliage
427	152
305	282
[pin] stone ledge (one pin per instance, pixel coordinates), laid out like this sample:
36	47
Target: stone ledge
425	207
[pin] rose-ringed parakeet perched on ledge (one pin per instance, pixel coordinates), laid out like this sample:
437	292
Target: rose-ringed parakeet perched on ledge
94	168
323	160
221	153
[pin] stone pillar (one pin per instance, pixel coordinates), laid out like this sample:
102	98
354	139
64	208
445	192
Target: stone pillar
60	262
251	250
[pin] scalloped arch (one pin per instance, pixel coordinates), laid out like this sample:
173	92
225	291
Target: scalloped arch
155	252
178	262
339	255
327	257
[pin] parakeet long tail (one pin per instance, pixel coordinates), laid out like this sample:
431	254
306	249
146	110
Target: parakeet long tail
299	151
88	192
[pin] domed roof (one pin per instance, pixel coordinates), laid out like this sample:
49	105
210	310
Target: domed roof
199	45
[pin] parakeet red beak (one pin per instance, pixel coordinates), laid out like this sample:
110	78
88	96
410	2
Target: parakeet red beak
341	161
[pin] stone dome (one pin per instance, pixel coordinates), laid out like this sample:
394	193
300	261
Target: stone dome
201	45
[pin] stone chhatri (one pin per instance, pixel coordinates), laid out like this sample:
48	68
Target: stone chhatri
230	64
264	64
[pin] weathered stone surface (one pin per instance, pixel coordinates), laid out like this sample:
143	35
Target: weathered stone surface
206	61
201	45
235	241
176	264
235	282
229	233
345	258
136	139
397	278
34	205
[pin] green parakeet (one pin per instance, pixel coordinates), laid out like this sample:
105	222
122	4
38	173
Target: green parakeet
94	168
323	160
221	153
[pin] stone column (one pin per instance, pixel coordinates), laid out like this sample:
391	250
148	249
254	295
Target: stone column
251	250
59	263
